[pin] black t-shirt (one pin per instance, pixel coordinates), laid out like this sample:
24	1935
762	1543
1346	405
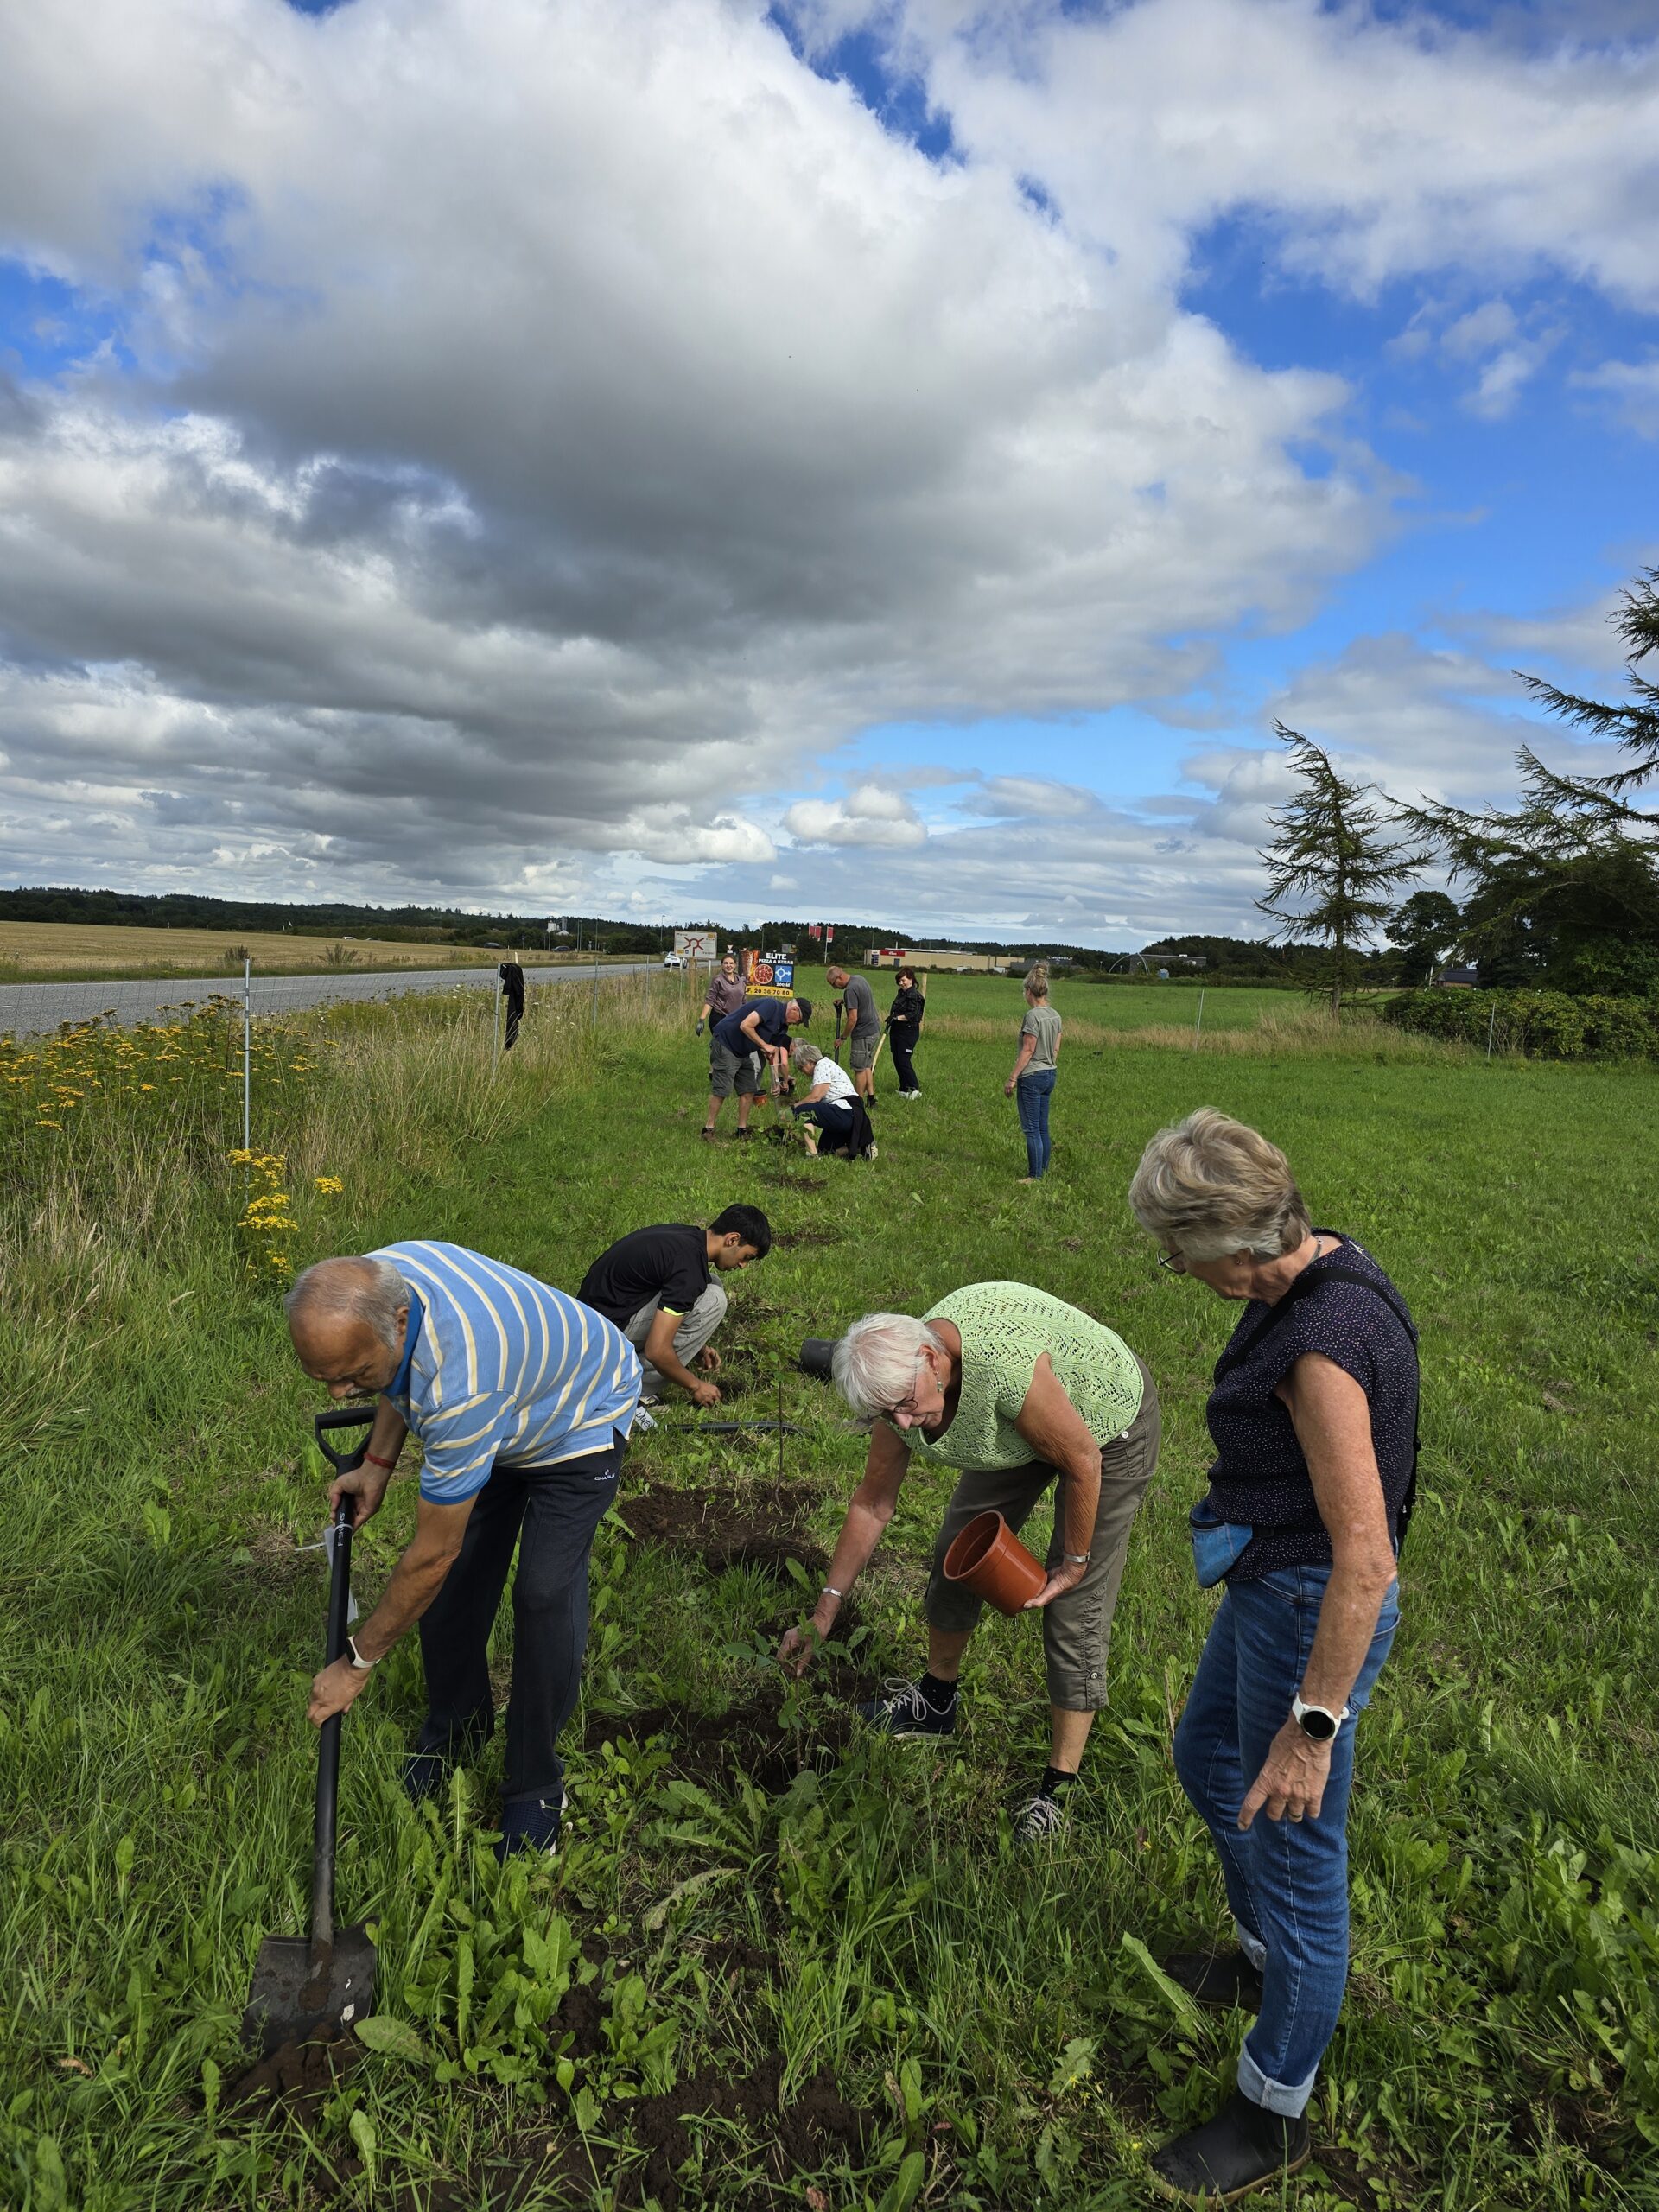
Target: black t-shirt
670	1262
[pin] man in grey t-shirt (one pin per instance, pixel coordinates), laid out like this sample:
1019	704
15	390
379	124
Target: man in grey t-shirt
864	1028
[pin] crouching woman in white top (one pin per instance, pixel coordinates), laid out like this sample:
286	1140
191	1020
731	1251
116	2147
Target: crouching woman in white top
826	1112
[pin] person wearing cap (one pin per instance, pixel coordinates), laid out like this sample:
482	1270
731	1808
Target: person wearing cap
750	1048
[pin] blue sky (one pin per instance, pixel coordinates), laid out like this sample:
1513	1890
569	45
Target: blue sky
889	461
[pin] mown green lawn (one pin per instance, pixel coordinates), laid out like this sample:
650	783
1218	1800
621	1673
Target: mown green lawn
867	1928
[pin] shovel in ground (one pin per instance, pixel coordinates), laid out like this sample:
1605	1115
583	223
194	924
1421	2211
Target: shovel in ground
302	1983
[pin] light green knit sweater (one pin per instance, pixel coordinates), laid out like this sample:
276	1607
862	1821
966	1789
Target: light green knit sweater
1006	1328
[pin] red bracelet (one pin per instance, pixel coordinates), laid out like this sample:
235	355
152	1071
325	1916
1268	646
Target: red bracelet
375	1460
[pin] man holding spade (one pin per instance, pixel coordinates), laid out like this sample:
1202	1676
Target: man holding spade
522	1400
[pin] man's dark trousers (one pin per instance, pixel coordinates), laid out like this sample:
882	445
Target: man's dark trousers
551	1513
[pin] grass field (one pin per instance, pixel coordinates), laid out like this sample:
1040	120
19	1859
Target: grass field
825	1951
56	952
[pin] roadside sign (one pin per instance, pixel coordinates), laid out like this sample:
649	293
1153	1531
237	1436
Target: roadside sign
767	978
697	944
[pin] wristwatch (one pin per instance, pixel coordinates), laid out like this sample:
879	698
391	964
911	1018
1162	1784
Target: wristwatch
359	1664
1317	1722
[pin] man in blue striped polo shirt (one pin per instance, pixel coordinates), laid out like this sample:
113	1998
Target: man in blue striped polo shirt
522	1400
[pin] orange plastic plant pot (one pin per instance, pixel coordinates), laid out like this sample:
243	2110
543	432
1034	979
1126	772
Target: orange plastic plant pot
989	1559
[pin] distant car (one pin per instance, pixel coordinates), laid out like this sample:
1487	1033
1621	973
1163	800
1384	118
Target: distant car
673	960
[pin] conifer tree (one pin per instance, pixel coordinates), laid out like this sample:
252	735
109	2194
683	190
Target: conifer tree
1331	865
1634	722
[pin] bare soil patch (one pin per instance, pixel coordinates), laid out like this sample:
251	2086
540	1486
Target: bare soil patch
724	1529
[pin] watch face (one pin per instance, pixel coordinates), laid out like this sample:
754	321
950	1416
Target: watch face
1317	1724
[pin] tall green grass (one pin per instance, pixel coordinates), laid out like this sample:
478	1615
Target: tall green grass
999	2015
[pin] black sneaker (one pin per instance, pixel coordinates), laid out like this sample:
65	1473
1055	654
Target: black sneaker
1225	1980
530	1824
745	1134
1244	2148
903	1711
1040	1819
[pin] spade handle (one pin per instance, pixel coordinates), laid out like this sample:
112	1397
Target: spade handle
322	1855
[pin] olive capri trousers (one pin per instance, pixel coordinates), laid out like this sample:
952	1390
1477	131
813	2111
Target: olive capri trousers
1077	1628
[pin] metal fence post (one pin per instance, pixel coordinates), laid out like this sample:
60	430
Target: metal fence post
594	1023
1490	1025
495	1043
1197	1026
247	1053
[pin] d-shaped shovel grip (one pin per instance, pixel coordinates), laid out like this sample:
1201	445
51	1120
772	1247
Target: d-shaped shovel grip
343	1417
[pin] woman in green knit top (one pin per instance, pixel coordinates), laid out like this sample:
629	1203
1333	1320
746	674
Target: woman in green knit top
1018	1391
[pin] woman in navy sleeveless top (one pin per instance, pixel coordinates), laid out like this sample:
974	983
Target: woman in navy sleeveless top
1314	1416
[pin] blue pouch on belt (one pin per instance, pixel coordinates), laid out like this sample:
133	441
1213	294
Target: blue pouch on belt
1217	1545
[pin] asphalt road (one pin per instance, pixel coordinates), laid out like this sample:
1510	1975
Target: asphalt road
35	1009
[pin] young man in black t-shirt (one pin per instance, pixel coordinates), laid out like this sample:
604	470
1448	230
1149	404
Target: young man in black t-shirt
657	1286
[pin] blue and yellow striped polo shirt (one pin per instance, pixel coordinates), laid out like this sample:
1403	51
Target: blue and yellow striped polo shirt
499	1366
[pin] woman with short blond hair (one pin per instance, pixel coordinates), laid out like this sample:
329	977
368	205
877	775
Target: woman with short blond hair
1313	1416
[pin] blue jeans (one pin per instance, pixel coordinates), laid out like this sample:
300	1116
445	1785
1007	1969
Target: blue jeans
1286	1880
1031	1094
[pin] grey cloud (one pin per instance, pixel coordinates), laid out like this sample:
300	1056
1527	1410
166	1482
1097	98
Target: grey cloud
556	451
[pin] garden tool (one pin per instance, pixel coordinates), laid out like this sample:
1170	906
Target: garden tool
325	1978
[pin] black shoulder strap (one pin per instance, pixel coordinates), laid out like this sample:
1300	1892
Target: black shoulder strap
1303	1286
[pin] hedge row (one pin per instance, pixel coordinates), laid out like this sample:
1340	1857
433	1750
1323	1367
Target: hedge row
1548	1025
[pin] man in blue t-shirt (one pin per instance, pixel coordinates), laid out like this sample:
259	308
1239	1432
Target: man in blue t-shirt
750	1048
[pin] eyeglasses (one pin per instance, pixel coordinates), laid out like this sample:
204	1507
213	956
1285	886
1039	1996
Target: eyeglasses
1173	1261
909	1405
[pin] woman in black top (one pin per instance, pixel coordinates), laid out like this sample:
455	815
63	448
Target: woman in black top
905	1030
1314	1416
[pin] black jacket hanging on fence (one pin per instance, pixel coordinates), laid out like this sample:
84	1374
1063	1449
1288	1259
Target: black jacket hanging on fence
512	989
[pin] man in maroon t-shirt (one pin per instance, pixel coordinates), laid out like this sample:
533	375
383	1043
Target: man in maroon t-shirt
724	996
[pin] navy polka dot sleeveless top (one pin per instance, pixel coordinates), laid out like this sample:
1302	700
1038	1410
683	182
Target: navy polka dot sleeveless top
1259	1476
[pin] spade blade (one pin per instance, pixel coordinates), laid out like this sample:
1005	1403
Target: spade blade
295	1992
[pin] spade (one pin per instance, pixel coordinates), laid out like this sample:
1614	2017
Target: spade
325	1980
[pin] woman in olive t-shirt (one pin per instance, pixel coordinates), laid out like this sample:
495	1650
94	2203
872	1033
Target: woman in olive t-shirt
1036	1067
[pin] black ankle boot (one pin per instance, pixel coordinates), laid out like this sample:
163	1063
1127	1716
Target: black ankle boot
1245	2148
1225	1980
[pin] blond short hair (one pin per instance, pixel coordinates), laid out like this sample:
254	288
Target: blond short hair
1209	1186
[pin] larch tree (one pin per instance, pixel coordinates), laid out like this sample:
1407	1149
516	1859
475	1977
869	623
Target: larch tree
1332	865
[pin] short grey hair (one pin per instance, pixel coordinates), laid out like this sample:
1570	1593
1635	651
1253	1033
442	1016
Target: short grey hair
874	1364
807	1056
1210	1186
361	1289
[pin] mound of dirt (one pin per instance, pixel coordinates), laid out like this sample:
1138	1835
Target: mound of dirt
296	2078
707	1745
715	1527
817	2126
